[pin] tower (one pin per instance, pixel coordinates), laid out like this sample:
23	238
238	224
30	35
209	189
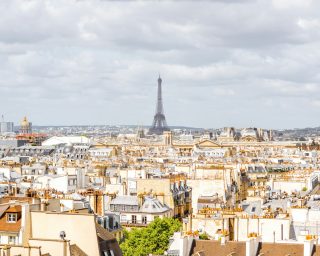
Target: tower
5	127
159	124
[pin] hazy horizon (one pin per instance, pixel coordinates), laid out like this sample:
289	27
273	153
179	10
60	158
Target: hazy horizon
16	125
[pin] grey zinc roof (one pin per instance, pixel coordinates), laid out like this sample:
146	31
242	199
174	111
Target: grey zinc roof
277	203
153	205
125	200
252	207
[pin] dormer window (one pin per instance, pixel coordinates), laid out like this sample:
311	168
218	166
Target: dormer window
11	217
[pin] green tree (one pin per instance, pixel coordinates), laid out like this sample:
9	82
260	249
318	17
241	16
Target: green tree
204	236
152	239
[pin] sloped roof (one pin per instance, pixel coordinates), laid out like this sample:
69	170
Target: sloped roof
55	140
281	249
208	248
76	251
153	205
208	143
10	226
125	200
209	200
103	233
14	208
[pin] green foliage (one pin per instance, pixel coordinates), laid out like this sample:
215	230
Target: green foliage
152	239
204	236
304	189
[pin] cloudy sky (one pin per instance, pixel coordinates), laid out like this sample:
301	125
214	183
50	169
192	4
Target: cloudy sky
223	63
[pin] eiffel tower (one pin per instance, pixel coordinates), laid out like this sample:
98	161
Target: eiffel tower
159	124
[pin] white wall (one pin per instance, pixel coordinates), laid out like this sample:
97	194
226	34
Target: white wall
299	214
288	186
205	188
269	229
74	226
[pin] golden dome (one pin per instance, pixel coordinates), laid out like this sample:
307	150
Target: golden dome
25	122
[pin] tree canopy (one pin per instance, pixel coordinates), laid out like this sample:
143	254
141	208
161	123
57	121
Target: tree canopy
152	239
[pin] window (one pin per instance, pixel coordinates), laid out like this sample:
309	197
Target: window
133	219
108	252
12	239
144	219
11	217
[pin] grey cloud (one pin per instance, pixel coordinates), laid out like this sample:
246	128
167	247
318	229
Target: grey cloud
242	63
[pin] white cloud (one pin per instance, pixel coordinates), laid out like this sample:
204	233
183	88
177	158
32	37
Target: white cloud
309	23
285	4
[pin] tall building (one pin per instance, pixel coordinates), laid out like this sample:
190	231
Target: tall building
159	124
6	127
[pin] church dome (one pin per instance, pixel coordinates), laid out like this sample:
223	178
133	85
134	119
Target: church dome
25	122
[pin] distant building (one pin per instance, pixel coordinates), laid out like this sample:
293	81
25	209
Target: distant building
59	140
34	139
171	191
227	135
6	127
135	214
26	126
12	142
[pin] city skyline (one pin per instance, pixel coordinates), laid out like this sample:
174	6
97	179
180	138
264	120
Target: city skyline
248	64
159	127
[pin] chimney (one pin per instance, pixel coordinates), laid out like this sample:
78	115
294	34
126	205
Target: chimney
61	207
308	246
223	240
301	202
252	246
190	219
100	204
43	206
92	202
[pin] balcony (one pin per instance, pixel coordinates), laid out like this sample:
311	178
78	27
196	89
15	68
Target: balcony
136	225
